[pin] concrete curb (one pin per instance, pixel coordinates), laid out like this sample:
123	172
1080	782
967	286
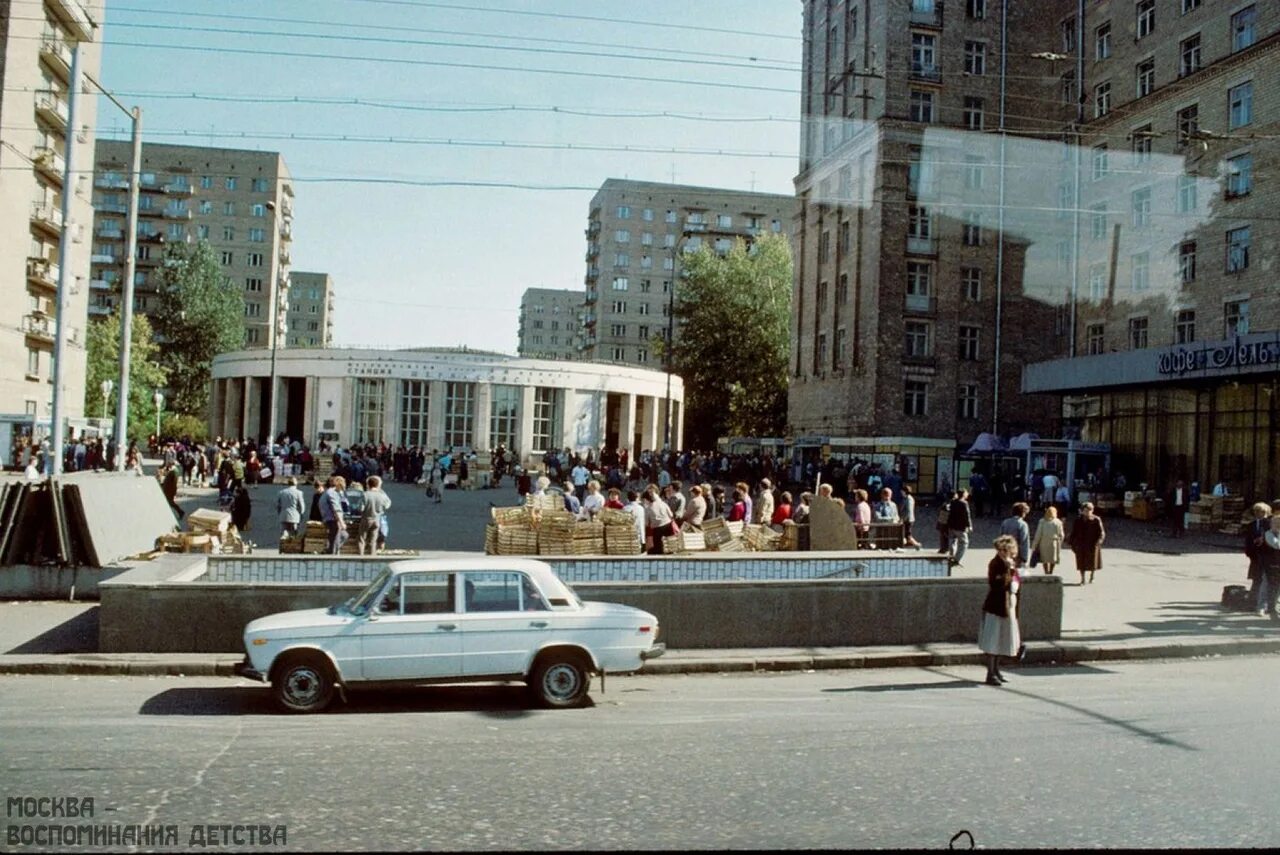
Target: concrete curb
1038	653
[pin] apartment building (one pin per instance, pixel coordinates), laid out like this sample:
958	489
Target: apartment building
311	310
36	45
240	201
930	254
635	230
1178	338
550	320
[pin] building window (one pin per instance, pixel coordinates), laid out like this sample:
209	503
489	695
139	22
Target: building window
228	233
919	225
226	256
1093	335
971	283
647	215
1240	99
822	298
724	221
967	401
1141	144
621	259
969	339
975	57
1069	35
1189	5
646	238
1102	41
1140	200
915	398
845	242
921	106
1097	282
1235	316
258	235
258	210
205	206
976	9
369	409
619	283
642	354
624	212
919	338
206	182
1238	249
547	419
919	283
1239	175
822	350
1068	85
230	183
1146	77
202	232
1190	56
1187	261
251	335
459	414
973	172
824	246
414	401
1146	17
670	217
1098	221
619	330
972	229
1188	123
1244	28
1187	195
252	310
924	56
973	113
229	209
1137	333
504	403
253	284
642	309
1101	100
622	236
1141	271
1184	327
1101	162
619	307
619	354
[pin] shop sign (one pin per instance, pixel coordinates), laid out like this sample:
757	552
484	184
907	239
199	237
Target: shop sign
1234	354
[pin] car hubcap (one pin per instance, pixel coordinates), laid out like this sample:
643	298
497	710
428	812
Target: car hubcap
561	681
302	686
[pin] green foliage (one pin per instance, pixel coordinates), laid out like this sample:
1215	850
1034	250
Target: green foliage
735	316
200	315
103	363
181	425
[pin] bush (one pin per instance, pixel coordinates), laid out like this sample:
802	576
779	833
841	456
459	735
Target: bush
181	426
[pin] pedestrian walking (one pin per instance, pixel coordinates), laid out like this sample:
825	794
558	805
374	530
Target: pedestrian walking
1255	551
289	508
658	521
169	486
959	526
998	635
1046	546
1177	503
908	516
331	509
376	505
1271	567
1016	527
241	509
1086	540
764	504
942	524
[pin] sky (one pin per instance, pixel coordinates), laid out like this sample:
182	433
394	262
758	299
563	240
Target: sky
444	154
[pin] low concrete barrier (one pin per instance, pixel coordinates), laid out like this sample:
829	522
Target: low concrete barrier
143	613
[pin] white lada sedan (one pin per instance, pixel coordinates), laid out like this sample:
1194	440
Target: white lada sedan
447	620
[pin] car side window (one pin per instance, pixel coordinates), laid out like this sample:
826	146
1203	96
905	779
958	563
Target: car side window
426	593
502	592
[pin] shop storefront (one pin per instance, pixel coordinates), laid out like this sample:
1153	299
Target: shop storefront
1199	412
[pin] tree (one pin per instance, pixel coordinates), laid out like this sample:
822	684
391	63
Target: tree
103	363
735	316
200	315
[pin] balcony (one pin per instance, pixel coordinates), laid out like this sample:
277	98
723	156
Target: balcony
920	360
111	182
173	188
147	211
691	225
922	245
176	214
40	327
51	107
99	310
76	17
285	256
99	285
149	260
150	237
920	304
926	13
46	217
109	232
57	53
42	272
591	296
49	163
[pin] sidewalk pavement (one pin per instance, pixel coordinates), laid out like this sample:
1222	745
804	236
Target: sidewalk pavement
1156	598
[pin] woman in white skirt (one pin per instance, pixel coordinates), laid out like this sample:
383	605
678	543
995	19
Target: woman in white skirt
999	634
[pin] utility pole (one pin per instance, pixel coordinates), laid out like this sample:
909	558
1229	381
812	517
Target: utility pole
64	268
126	289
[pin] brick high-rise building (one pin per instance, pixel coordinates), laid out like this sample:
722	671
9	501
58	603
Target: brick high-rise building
633	230
929	258
36	41
311	310
550	320
240	201
1178	312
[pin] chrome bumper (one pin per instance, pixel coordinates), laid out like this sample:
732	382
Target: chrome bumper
245	668
654	652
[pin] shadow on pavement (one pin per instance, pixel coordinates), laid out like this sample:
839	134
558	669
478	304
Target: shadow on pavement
77	635
909	687
495	701
1191	619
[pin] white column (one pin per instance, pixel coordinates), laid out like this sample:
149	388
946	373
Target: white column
484	404
435	415
677	424
524	429
253	391
649	432
627	424
390	410
309	424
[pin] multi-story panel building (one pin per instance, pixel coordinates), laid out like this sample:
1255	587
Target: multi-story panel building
36	45
1178	332
311	310
928	244
550	320
240	201
635	230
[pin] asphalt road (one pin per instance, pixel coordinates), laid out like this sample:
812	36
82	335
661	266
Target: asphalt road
1170	754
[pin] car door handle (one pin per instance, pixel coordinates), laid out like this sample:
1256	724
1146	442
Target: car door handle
538	623
446	626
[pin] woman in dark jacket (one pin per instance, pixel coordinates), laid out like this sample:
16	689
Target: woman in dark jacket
241	509
999	635
1086	540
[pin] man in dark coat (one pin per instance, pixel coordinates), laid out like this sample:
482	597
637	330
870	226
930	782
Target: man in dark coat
959	524
1176	504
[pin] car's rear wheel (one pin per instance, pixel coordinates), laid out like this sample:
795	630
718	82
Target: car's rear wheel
303	684
560	680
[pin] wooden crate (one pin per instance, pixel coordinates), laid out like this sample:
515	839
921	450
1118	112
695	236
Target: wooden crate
622	539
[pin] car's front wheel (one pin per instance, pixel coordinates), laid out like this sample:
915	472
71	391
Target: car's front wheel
303	684
560	680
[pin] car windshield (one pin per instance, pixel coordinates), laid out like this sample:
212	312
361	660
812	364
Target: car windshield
361	603
558	591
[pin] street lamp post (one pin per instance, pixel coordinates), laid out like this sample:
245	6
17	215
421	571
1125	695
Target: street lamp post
107	386
159	399
671	323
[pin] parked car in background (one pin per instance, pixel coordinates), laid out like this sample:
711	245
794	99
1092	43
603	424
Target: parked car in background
447	620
